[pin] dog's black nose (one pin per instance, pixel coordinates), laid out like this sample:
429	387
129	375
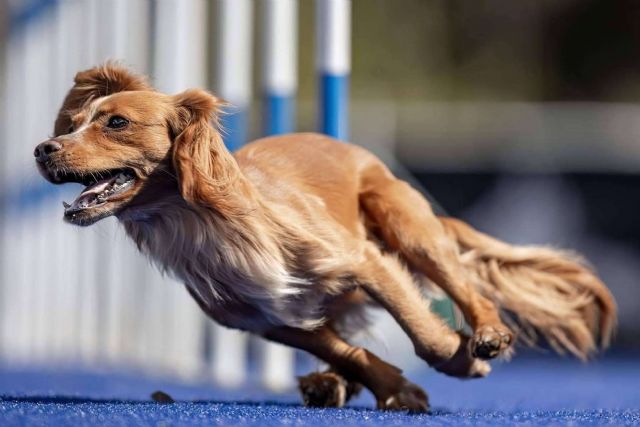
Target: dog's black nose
43	150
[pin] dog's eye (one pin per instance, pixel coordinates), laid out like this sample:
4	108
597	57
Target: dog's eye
70	130
117	122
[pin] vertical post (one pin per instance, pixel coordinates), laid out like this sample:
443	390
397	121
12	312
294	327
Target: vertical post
16	333
234	24
87	298
280	56
175	321
110	30
122	35
68	57
32	219
279	84
233	65
333	50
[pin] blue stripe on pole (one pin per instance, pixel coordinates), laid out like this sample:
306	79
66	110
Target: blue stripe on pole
334	105
234	128
32	196
278	114
28	196
28	11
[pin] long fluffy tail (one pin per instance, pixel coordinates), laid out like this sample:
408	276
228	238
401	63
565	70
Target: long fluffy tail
540	291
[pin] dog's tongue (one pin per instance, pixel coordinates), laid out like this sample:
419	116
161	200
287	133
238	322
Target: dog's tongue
89	195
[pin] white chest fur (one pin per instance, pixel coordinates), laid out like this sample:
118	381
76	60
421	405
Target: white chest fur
237	270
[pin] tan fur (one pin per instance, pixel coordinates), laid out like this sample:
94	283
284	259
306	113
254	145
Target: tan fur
292	236
546	291
95	83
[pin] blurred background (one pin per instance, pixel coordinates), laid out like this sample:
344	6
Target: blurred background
522	118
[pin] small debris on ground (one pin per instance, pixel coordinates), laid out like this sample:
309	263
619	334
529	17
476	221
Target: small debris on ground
161	397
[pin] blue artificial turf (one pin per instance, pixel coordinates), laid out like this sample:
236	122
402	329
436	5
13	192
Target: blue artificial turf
526	392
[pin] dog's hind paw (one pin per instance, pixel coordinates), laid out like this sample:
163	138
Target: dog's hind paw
462	364
491	341
410	398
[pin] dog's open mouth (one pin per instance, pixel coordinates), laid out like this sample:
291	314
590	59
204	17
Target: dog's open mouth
101	188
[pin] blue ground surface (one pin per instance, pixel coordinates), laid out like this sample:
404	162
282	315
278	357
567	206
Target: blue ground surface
525	392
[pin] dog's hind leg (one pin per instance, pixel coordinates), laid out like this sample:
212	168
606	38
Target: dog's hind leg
390	388
407	224
391	286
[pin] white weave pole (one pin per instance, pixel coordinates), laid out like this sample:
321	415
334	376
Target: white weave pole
179	63
43	310
31	253
37	51
15	333
109	34
234	24
333	53
69	57
88	292
279	80
279	67
122	35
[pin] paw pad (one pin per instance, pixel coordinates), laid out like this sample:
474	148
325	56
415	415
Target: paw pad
489	342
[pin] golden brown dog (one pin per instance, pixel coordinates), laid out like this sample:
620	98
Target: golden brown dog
292	236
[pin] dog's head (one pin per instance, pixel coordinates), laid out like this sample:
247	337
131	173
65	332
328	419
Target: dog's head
120	138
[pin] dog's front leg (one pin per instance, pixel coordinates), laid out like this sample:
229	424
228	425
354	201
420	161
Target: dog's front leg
327	389
391	389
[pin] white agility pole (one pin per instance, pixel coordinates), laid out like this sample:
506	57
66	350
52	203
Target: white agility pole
39	218
280	68
179	63
179	45
64	246
279	85
88	291
15	334
109	31
333	53
26	59
35	290
121	36
234	24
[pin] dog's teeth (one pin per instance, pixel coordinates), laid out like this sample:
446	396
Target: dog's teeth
122	178
66	205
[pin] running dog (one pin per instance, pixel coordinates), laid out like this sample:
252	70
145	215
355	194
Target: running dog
292	237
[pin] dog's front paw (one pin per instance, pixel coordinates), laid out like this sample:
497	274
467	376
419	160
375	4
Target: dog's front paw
410	398
323	390
491	341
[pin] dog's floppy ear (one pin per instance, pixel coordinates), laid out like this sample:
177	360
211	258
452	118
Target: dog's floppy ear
93	83
205	169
